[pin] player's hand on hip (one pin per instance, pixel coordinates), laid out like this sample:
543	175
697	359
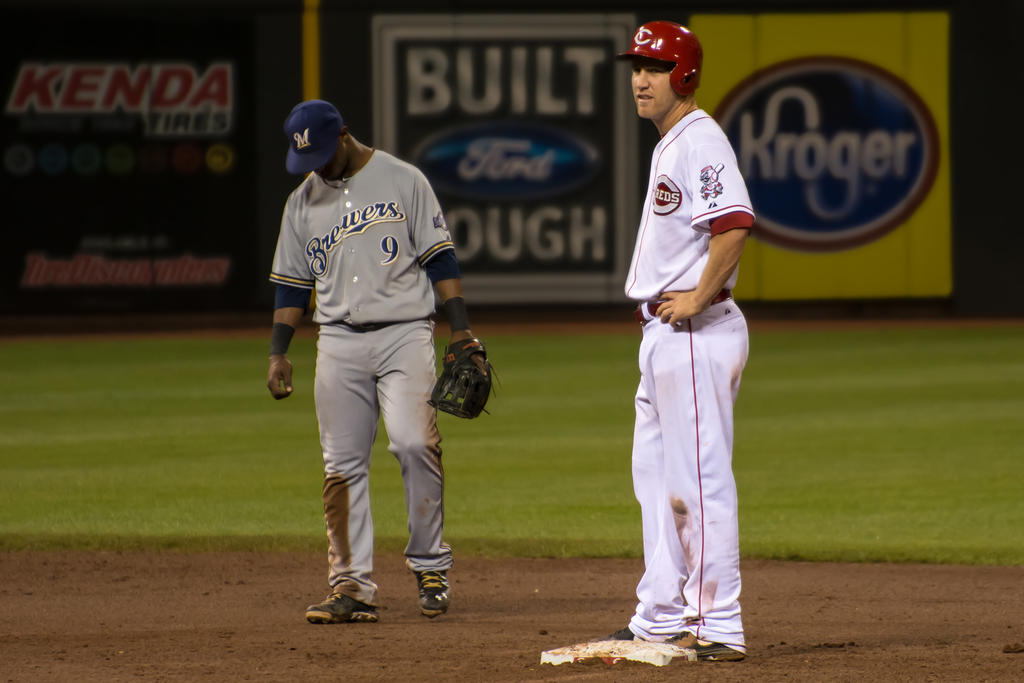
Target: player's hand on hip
678	306
279	377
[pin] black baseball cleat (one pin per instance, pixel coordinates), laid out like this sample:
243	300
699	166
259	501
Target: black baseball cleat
434	598
706	650
340	609
621	634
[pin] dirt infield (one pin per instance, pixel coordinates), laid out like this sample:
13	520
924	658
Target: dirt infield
106	616
84	616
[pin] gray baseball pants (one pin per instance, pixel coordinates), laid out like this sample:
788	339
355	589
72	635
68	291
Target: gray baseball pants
361	376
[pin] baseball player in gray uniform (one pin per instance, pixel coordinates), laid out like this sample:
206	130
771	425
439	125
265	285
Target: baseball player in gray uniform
364	230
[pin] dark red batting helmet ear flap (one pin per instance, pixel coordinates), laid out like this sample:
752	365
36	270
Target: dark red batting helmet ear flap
667	41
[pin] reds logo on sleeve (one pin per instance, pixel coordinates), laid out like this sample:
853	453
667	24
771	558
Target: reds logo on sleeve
709	185
666	196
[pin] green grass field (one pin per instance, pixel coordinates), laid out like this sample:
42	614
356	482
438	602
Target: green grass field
874	445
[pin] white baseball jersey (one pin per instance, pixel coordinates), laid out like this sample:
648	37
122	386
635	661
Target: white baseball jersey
362	242
694	180
689	379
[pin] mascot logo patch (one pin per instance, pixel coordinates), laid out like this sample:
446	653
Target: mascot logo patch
666	196
836	152
710	187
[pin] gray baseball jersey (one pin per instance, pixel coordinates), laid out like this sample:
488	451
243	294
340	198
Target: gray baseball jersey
361	243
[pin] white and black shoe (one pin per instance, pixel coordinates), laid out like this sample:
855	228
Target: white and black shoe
434	599
621	634
340	609
706	650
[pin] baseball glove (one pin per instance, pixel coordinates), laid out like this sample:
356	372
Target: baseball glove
463	388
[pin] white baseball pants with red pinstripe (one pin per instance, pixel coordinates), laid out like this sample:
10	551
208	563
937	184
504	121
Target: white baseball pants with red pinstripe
682	477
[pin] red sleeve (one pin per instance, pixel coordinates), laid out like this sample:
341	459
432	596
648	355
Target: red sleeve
730	221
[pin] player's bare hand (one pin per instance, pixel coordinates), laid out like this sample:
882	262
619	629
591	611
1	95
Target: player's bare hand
678	306
279	377
478	358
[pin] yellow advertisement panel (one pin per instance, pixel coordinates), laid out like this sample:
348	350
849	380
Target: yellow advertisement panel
841	128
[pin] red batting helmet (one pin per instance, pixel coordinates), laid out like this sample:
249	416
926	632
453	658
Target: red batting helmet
669	42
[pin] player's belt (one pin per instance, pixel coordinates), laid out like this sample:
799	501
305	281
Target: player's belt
368	327
652	306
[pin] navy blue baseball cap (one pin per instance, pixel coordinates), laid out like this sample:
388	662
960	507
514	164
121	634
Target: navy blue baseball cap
312	128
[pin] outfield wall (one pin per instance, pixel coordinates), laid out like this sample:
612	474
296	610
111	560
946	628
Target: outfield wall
143	153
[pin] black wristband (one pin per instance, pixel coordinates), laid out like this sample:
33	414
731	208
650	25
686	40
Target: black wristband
455	309
280	338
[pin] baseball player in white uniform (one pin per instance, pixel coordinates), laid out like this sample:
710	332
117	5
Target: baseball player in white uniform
364	230
696	218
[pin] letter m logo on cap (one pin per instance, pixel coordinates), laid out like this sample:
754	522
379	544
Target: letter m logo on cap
302	139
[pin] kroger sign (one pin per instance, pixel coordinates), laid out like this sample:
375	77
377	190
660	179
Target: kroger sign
836	152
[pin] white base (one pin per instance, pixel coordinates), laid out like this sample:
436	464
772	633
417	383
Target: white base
613	651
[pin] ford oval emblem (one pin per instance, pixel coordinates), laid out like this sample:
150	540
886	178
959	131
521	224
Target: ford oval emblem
506	160
836	152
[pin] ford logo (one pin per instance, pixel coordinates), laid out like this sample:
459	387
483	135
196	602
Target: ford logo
836	152
506	161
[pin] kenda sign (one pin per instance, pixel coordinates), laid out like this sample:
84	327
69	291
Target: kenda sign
174	98
836	152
